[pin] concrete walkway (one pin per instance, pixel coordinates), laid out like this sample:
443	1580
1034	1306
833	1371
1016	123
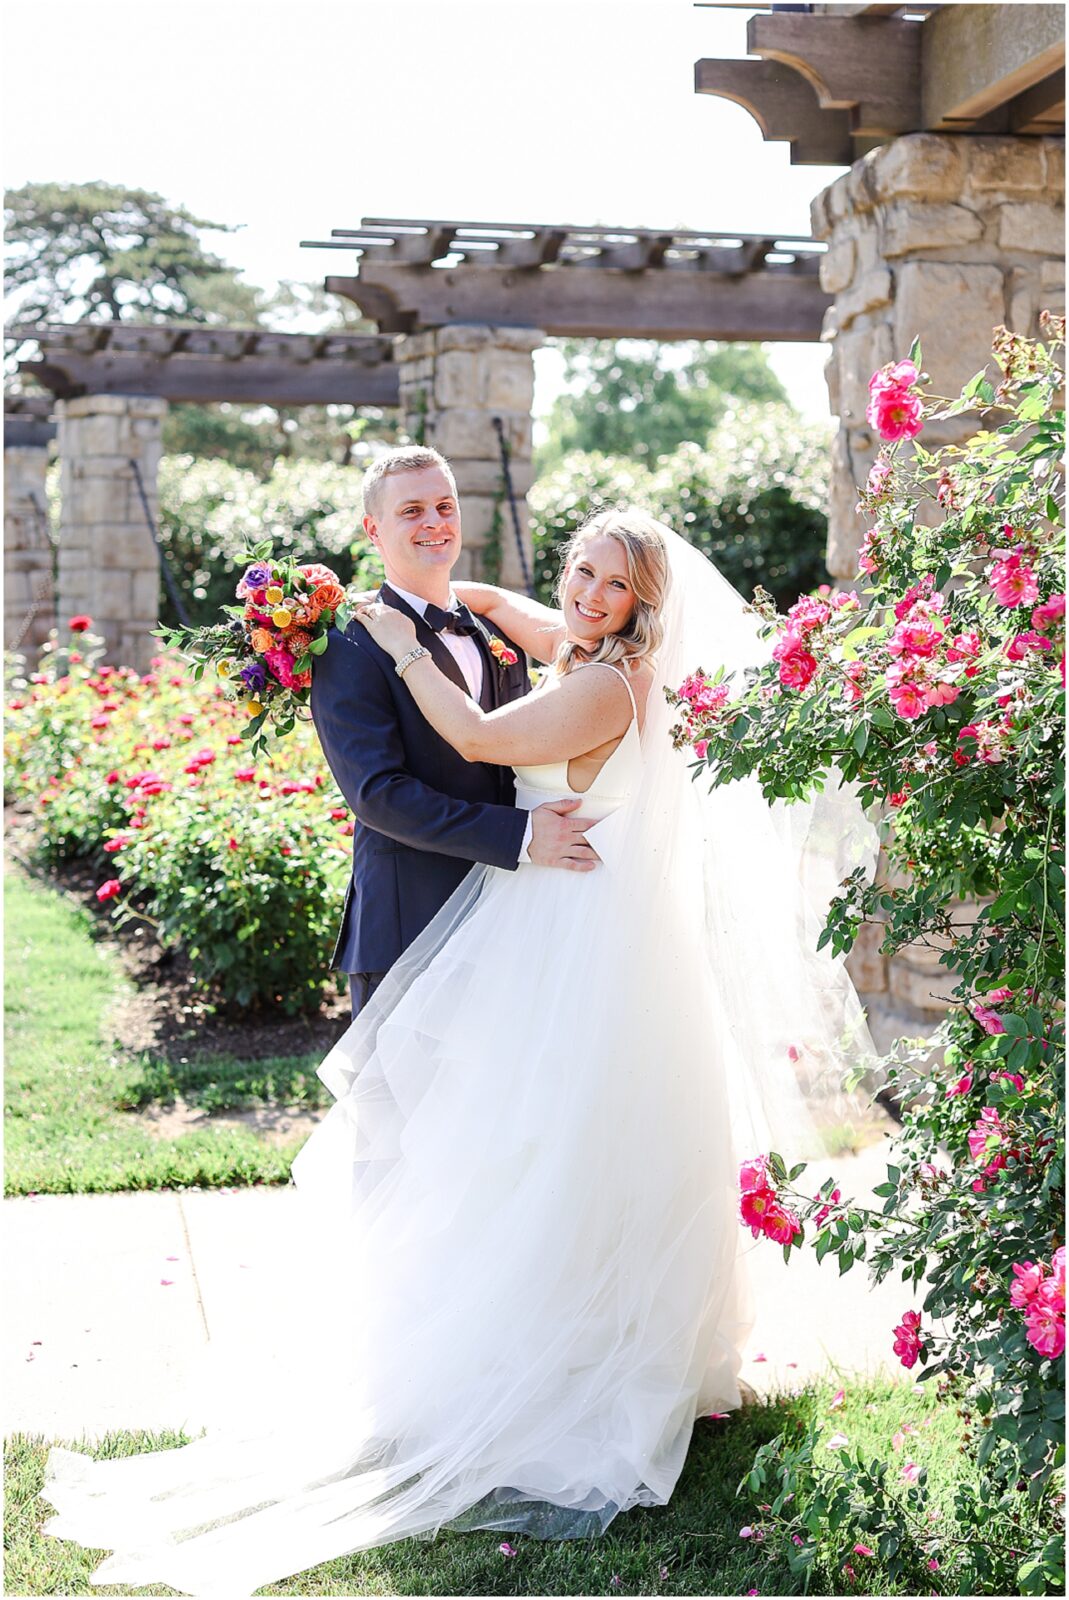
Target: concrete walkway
112	1301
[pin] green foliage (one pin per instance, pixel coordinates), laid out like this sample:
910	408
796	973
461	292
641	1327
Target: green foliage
845	1518
210	512
947	706
634	398
752	500
240	866
104	251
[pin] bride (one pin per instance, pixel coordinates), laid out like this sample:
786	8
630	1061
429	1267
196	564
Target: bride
524	1274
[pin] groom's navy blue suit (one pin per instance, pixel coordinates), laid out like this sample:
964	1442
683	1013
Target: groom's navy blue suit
422	814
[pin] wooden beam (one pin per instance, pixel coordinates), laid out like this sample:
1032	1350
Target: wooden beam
205	380
1040	109
978	57
783	105
779	303
869	67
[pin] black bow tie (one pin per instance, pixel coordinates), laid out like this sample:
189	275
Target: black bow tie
457	620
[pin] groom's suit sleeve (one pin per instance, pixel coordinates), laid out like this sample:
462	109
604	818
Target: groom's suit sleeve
356	719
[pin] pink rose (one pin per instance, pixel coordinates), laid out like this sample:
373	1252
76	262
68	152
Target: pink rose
989	1020
781	1224
962	1086
797	670
1045	1328
754	1205
753	1175
895	414
907	700
1048	612
1028	1277
1014	582
1021	643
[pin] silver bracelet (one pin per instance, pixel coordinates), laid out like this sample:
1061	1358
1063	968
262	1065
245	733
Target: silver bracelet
406	661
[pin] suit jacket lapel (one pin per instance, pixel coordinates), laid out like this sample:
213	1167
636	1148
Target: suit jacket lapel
443	656
490	698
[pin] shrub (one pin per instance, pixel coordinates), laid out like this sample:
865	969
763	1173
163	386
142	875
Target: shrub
752	499
149	778
210	512
945	701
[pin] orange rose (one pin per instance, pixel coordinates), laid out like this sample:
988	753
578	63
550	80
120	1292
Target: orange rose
329	596
307	612
261	640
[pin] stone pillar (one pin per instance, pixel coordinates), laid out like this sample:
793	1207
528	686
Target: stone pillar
107	560
29	584
942	235
454	381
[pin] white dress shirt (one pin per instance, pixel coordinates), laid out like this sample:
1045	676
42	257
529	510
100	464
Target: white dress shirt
468	657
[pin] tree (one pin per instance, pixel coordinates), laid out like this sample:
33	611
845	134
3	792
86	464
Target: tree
642	400
104	251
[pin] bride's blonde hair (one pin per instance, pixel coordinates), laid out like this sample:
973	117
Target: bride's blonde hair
642	539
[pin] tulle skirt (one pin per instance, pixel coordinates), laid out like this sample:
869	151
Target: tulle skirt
524	1274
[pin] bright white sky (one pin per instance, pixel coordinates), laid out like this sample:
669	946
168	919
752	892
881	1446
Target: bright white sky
290	117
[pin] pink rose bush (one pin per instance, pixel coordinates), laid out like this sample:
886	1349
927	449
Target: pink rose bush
937	688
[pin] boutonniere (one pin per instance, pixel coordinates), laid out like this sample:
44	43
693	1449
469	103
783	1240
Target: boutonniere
501	652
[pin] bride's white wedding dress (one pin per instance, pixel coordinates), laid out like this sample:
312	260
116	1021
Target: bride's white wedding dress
535	1206
524	1255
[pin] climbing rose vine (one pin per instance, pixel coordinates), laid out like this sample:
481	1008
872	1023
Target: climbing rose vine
938	685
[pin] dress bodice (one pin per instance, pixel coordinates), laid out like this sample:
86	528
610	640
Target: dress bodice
535	785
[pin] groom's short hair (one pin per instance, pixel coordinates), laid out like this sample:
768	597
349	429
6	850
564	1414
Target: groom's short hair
406	458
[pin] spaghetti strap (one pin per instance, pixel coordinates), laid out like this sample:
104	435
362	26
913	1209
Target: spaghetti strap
620	673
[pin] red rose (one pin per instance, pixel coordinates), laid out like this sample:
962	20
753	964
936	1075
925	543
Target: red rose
80	623
109	890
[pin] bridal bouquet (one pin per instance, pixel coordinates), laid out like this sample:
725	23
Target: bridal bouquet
263	654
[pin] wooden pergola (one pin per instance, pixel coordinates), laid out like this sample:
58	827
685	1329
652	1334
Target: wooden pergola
208	365
837	80
586	282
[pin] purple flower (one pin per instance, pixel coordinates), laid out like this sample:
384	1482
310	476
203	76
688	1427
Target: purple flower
254	676
258	576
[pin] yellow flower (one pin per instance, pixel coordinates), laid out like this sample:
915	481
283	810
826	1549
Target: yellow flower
282	618
274	594
253	707
225	668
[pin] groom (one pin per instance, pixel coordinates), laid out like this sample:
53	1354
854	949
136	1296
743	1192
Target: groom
423	814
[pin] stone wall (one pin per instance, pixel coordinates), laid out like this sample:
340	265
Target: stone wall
108	565
29	586
945	237
454	381
941	235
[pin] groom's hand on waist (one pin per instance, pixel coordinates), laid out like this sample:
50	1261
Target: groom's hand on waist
558	837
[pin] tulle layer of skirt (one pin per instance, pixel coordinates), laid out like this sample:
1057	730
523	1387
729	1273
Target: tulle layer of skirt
523	1277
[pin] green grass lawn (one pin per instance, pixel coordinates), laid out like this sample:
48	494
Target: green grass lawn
67	1079
695	1537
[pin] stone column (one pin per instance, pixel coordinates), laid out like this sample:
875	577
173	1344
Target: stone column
29	584
942	235
107	560
454	381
